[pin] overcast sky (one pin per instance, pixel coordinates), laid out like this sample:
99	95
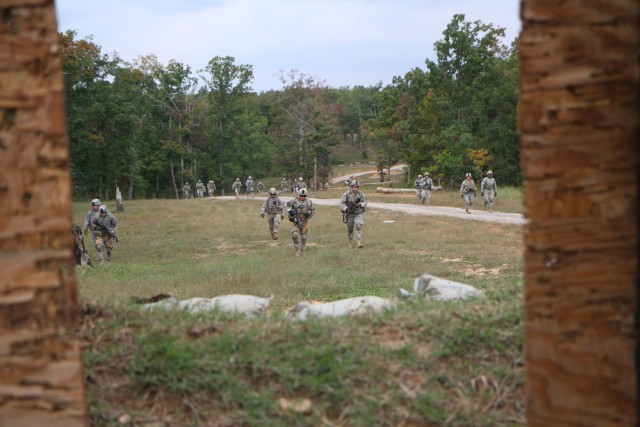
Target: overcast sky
341	42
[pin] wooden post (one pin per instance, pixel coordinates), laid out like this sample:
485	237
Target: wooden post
41	381
579	116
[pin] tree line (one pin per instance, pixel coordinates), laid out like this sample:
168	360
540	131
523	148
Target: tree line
148	127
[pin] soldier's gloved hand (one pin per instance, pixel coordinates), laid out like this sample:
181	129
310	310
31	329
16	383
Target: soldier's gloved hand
262	214
462	195
281	216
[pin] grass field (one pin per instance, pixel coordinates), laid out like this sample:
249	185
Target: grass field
425	363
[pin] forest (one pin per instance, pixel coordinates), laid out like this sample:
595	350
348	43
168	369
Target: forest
148	127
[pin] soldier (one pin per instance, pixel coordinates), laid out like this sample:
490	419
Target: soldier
105	227
417	184
200	189
468	191
300	184
95	206
249	187
353	204
294	185
489	190
211	188
237	185
260	187
186	189
300	210
275	212
284	185
349	180
427	185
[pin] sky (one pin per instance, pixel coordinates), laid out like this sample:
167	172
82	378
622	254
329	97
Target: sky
343	43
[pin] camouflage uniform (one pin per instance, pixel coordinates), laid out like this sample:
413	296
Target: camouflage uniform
353	204
249	186
95	206
294	185
284	185
186	189
103	240
211	188
200	189
300	184
426	186
417	185
237	185
488	189
260	187
468	192
275	212
305	210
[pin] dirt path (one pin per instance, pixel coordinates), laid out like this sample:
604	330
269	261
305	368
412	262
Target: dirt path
475	215
343	178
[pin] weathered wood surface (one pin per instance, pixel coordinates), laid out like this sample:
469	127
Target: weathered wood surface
41	381
579	116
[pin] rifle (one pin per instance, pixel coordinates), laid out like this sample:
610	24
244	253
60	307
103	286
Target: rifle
107	231
293	217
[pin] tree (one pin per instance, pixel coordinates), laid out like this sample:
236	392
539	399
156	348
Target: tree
227	85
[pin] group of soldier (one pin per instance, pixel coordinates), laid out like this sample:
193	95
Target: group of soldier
104	227
200	188
300	209
488	189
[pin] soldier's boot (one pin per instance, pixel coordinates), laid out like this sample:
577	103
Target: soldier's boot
108	255
274	236
467	209
350	244
298	252
360	245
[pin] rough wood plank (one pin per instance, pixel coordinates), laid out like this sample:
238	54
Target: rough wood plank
579	115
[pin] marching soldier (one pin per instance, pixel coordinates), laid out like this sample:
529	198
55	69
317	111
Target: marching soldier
249	187
489	190
275	212
200	189
417	185
95	206
284	185
260	187
186	189
105	227
237	185
211	188
427	185
353	204
300	184
300	209
468	191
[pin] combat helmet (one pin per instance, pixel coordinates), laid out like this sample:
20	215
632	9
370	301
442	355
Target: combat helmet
467	175
355	183
95	202
419	176
302	192
272	191
490	173
103	208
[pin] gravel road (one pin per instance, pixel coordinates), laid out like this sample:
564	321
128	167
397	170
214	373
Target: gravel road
475	215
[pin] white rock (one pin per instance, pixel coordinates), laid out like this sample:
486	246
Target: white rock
441	289
165	301
346	307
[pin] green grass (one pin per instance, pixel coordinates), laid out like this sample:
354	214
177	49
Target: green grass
426	363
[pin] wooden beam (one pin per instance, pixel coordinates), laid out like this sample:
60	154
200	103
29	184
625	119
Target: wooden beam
579	116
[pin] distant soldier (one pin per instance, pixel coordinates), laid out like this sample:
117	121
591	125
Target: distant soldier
275	212
200	189
300	184
105	227
95	206
284	185
353	204
236	187
249	186
468	191
300	210
427	185
186	189
294	185
211	188
417	184
260	187
489	190
348	181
